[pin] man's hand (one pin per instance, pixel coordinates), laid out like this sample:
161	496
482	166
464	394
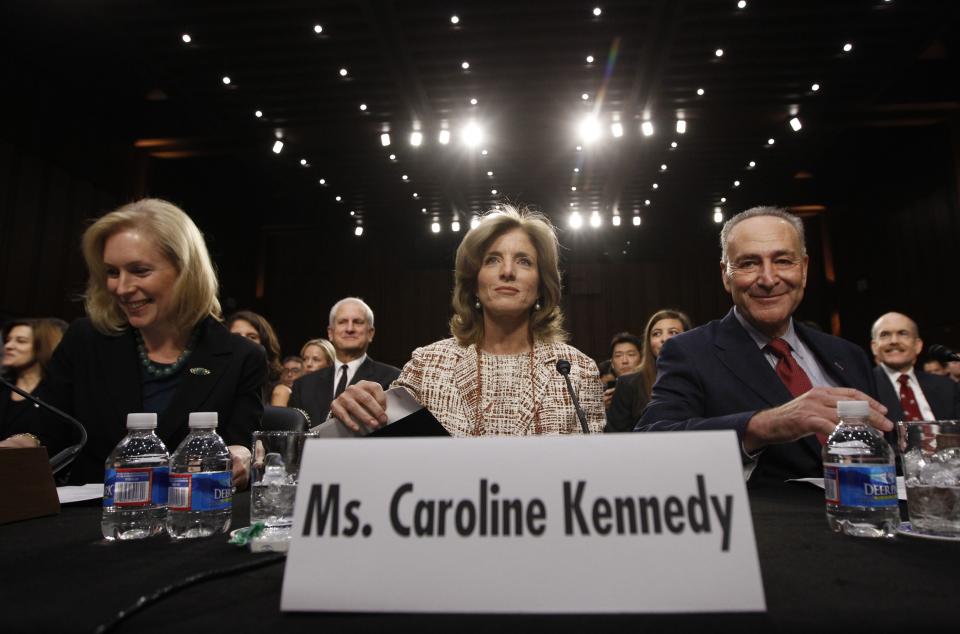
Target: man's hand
363	404
608	397
810	413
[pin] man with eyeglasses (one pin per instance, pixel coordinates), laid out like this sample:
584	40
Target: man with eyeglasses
757	371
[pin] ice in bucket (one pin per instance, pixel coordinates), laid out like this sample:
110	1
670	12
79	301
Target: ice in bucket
931	470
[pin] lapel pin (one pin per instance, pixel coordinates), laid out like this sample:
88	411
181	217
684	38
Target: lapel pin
200	371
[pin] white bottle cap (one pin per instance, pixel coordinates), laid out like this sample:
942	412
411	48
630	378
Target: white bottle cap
203	420
853	408
142	420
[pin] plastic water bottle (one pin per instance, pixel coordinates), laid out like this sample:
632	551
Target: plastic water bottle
135	482
200	498
859	476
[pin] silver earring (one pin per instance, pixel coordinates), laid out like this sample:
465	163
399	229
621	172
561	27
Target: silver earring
476	304
537	305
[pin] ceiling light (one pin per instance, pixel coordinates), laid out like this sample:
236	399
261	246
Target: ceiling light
576	170
597	11
444	137
385	139
303	162
589	129
454	19
416	195
585	96
363	107
225	80
847	47
455	226
654	186
435	227
573	204
258	113
494	192
718	52
717	215
576	220
322	181
615	220
771	141
673	144
595	220
465	65
277	147
484	152
579	148
473	101
474	222
343	72
416	138
700	92
752	164
616	129
358	231
338	198
742	4
795	124
489	173
647	128
405	177
636	221
589	59
681	126
472	134
723	199
736	183
186	38
814	87
646	202
393	157
318	29
663	167
573	188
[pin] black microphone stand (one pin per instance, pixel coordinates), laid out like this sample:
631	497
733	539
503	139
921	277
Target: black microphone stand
563	367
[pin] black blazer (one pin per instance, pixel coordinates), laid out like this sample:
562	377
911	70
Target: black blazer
314	392
715	377
14	416
629	399
96	378
942	394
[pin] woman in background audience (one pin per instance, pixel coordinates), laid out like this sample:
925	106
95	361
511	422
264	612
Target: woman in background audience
152	341
257	329
633	390
498	374
317	354
28	345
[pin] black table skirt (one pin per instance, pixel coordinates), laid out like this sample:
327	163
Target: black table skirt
59	575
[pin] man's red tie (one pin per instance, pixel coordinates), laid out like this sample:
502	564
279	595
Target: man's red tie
791	373
908	400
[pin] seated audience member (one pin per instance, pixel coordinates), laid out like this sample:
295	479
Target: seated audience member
757	371
945	356
152	341
28	345
317	354
935	366
257	329
907	393
633	390
607	377
498	374
292	370
625	358
351	331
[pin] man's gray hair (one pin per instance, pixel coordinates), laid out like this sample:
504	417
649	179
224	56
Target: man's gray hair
355	300
753	212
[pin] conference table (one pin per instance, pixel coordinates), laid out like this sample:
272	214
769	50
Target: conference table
60	575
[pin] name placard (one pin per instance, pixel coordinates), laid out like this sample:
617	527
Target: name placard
608	523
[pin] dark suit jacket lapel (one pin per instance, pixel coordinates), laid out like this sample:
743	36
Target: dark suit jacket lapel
888	396
365	372
121	368
212	353
739	352
833	363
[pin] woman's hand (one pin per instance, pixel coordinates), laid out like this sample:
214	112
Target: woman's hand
362	405
239	465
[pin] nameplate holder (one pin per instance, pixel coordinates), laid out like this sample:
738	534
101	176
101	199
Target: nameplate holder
641	523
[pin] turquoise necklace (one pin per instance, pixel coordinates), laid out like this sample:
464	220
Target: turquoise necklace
162	369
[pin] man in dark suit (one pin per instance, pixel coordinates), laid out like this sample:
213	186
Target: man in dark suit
351	331
908	393
757	371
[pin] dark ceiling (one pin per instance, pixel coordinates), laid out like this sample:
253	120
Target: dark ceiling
528	71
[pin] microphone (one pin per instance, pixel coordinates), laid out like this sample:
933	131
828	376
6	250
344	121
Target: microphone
943	353
66	456
563	367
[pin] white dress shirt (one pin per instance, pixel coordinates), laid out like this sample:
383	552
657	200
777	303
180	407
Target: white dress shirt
894	376
352	367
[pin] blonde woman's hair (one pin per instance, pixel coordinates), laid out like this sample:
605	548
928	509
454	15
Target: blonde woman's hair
177	238
324	345
546	324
